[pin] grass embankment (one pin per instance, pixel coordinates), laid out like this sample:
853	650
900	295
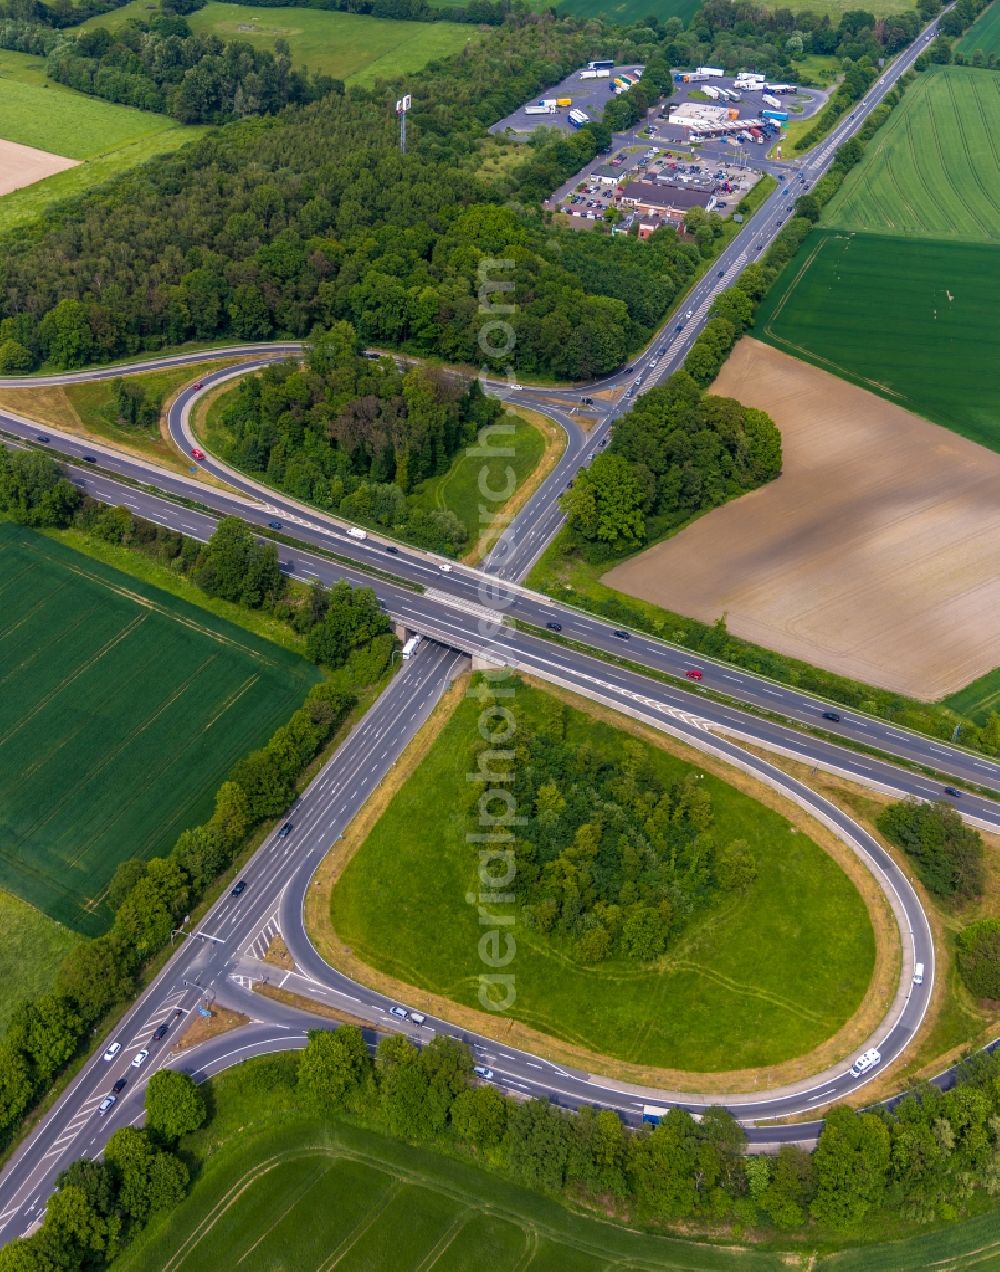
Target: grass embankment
107	138
752	983
353	47
955	1021
978	699
89	410
123	710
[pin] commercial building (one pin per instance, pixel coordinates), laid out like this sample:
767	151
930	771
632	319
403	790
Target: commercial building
658	204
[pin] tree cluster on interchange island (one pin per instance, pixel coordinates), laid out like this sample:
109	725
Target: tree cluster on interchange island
613	858
677	452
354	435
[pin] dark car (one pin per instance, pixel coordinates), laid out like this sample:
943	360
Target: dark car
43	439
274	525
90	459
391	549
953	792
554	627
628	369
285	831
161	1032
239	888
831	715
721	272
120	1086
623	635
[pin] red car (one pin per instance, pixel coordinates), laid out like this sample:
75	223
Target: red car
694	673
196	453
199	385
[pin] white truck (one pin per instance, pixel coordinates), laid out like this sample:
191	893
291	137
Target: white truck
410	648
355	532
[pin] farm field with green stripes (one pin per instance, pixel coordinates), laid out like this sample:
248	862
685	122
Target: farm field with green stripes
911	319
933	170
122	709
628	11
984	33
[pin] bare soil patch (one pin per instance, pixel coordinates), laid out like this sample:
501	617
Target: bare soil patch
24	165
872	555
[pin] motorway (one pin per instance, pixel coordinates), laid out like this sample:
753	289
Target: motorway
218	961
462	610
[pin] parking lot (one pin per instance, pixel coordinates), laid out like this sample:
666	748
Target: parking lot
660	149
588	95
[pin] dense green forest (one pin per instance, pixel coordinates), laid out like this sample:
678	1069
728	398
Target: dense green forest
197	79
613	859
272	225
678	451
354	435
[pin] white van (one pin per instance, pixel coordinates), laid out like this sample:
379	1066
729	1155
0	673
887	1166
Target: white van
356	532
918	974
865	1062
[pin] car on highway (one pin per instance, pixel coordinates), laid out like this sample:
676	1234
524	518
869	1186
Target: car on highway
107	1104
43	439
554	627
516	388
200	384
831	715
398	1012
953	791
418	1017
392	549
274	525
286	830
197	452
90	459
622	635
866	1062
481	1071
112	1051
239	888
120	1086
160	1032
140	1058
694	673
444	568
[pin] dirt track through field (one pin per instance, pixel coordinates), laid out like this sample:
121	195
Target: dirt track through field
24	165
876	554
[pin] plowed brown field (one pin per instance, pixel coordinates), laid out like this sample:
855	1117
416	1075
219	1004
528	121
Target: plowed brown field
24	165
876	554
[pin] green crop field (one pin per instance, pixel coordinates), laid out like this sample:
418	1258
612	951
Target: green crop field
107	138
983	34
629	11
910	319
121	711
933	171
755	981
278	1188
350	46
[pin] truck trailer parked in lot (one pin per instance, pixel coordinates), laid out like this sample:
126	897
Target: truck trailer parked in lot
597	73
769	100
577	118
602	65
539	110
777	115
